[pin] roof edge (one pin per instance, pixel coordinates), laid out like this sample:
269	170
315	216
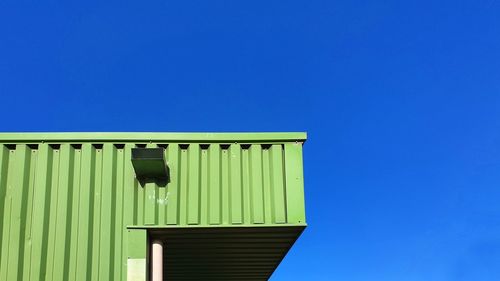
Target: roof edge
153	136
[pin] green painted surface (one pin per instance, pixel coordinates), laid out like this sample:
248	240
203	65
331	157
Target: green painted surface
136	255
67	199
172	137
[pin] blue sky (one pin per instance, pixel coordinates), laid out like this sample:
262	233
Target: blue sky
401	101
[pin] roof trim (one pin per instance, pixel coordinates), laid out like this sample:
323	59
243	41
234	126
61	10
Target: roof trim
153	136
221	226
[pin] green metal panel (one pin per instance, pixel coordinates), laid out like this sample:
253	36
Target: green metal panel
154	137
68	200
136	255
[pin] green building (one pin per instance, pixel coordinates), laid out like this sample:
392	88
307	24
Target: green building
148	206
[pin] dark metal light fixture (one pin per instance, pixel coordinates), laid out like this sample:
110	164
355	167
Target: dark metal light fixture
149	164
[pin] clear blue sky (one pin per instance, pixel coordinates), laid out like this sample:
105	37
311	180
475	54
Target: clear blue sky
401	100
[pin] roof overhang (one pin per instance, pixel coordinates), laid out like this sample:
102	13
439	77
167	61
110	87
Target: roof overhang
228	253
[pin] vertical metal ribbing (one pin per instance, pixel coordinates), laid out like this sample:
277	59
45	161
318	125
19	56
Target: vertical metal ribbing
294	182
108	204
235	185
18	194
41	207
48	249
27	216
256	184
214	183
4	166
225	189
54	204
118	214
140	199
183	185
161	200
7	203
64	212
74	223
129	204
96	196
246	185
173	193
193	192
277	183
134	191
266	185
205	176
85	215
150	206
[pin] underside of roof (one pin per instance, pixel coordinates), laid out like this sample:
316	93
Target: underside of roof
231	253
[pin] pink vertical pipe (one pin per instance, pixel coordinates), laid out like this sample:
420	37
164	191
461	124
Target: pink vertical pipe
157	261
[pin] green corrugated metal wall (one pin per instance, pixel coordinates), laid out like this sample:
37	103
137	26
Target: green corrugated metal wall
66	201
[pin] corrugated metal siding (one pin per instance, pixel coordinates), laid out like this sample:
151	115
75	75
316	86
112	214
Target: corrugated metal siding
65	206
